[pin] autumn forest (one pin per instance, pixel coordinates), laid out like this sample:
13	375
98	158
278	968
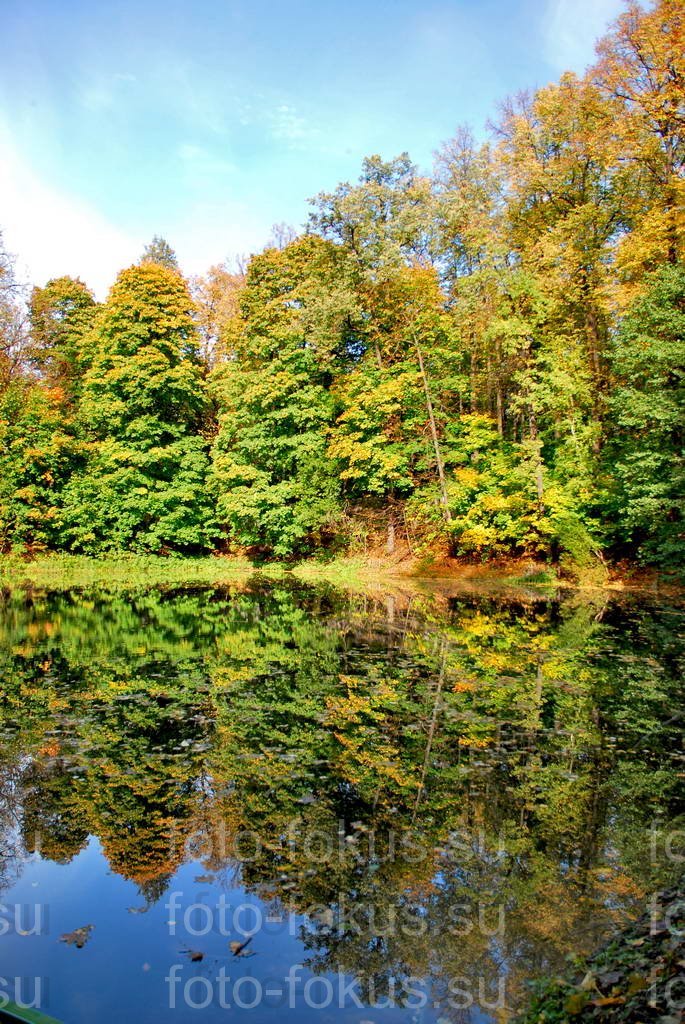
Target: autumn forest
489	358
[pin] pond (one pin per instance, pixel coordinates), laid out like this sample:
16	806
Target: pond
294	803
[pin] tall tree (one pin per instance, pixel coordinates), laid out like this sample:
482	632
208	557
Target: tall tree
274	483
648	405
472	256
142	410
62	315
159	251
12	319
383	220
385	224
39	450
641	69
216	296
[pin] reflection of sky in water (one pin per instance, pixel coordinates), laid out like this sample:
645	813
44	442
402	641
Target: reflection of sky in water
122	972
523	748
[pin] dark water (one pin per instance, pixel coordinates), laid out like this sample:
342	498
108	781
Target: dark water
410	807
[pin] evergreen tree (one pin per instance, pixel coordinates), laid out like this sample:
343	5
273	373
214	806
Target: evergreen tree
159	251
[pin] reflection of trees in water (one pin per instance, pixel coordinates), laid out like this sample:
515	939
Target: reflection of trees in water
524	746
114	692
11	846
54	821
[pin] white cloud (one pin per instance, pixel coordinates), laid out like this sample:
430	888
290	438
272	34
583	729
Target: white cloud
53	233
571	28
289	126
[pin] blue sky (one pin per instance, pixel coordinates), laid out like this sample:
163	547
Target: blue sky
209	120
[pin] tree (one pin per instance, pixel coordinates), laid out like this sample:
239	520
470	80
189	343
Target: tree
216	297
565	201
383	220
12	319
38	453
159	251
410	337
462	351
647	453
282	235
62	315
641	69
274	483
472	256
142	409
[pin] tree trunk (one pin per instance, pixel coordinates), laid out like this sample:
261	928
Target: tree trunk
539	482
431	727
390	543
434	435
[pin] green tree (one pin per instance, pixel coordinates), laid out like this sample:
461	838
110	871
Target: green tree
275	485
38	452
383	220
62	315
648	408
159	251
142	410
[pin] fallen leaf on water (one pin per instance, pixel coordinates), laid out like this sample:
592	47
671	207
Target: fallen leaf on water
238	947
78	937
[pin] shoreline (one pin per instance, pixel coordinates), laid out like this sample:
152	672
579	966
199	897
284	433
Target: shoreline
355	573
636	976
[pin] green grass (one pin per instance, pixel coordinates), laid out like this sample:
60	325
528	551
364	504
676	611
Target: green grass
343	571
62	571
58	571
539	578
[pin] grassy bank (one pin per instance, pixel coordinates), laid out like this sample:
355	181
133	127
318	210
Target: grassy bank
64	571
121	570
60	571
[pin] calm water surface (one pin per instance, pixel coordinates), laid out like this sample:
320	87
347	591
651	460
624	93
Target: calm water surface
406	808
